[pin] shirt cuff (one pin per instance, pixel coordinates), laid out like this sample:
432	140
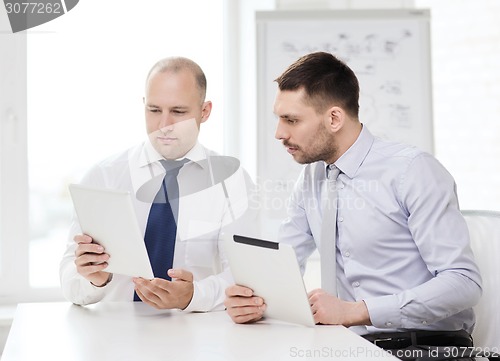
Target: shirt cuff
110	277
204	299
384	311
200	302
196	301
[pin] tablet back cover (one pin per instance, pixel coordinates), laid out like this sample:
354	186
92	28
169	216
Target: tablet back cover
109	218
271	270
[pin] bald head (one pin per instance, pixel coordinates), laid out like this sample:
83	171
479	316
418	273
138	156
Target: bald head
176	65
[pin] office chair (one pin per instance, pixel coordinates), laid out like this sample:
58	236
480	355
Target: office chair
484	230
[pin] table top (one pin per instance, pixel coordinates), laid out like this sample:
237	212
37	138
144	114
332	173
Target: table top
124	331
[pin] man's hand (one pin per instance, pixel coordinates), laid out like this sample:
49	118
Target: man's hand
330	310
242	306
164	294
91	260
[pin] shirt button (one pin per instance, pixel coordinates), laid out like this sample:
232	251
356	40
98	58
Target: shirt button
356	284
347	254
341	185
388	323
424	322
341	219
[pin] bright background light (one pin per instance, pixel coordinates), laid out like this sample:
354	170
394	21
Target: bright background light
86	74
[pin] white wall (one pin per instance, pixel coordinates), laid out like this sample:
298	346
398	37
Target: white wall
466	89
12	116
241	82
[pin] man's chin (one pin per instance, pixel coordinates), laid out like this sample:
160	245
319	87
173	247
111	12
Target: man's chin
299	159
303	160
168	151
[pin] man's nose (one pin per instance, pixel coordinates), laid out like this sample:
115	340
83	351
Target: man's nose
281	132
166	122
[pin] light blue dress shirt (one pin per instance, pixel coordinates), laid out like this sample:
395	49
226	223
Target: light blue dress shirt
402	244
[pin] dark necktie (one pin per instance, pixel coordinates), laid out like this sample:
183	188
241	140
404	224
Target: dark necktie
161	229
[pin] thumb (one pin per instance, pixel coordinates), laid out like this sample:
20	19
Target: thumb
180	275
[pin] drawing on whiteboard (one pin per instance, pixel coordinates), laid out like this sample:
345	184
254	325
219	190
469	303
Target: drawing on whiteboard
378	58
371	47
400	115
392	87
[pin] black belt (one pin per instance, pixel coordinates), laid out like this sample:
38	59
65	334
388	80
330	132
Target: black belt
400	340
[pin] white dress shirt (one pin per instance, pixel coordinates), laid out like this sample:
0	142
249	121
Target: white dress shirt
205	212
403	245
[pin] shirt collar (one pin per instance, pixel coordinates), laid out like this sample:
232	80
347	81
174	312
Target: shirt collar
352	159
149	155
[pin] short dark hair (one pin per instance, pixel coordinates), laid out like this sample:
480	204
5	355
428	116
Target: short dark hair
326	80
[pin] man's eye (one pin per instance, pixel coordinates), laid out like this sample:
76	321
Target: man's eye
292	121
153	110
179	112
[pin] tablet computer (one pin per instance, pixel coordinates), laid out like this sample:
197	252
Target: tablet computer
271	270
109	218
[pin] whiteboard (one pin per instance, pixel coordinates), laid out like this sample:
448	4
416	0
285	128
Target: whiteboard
389	50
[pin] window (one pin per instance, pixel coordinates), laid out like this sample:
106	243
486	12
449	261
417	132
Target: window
86	73
466	91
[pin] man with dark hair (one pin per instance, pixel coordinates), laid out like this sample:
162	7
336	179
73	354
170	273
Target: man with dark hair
405	272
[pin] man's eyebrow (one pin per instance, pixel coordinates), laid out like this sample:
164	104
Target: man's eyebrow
288	116
175	107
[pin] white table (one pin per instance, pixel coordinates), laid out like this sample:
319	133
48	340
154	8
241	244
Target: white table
134	331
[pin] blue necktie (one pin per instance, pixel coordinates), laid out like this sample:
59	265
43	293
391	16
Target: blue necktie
161	229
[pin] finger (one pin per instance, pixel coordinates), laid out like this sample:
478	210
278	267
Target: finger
154	286
245	311
247	318
88	248
314	308
315	295
246	314
320	316
180	274
91	259
237	290
236	302
145	299
157	285
88	269
140	282
316	291
82	238
146	292
316	318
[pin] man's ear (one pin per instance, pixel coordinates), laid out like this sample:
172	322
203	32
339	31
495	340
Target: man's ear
336	118
206	110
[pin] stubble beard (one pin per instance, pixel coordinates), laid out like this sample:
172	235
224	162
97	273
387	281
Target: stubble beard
322	148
